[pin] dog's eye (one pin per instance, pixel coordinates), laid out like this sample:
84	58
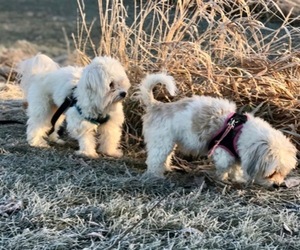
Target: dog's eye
111	85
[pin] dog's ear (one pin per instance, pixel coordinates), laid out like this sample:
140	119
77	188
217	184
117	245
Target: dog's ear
95	78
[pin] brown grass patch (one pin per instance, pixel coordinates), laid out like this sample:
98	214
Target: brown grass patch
216	49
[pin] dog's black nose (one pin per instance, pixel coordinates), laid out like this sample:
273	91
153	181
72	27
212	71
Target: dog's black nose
123	94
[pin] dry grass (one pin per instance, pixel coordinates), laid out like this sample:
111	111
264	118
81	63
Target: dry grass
51	199
216	49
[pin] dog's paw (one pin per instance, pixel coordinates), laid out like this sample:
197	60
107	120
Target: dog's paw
116	153
60	142
91	155
152	176
222	175
56	139
39	144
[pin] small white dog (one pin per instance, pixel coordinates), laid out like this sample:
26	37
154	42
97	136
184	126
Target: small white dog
243	147
95	91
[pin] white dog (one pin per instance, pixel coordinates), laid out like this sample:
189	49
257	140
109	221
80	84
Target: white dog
243	147
95	91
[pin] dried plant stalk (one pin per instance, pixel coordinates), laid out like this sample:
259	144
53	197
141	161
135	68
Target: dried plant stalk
211	48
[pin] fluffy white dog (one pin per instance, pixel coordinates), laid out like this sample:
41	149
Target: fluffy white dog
95	92
243	147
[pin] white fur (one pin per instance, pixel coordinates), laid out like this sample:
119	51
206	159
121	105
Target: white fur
149	82
266	155
100	88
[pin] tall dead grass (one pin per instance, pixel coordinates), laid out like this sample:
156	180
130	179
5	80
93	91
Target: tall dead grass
212	48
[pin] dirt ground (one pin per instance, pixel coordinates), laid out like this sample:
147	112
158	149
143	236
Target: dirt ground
41	23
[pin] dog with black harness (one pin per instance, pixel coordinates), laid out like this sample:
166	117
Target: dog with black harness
89	98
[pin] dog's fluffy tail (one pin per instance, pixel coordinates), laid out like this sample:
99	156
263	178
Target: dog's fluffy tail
36	65
145	93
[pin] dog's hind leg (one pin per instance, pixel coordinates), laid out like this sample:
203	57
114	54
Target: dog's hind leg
159	154
38	124
36	133
54	137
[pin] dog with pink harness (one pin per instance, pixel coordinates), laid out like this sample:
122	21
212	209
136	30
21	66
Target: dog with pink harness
244	148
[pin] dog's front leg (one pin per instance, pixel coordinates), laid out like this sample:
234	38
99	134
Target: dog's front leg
160	149
109	138
87	145
84	133
223	162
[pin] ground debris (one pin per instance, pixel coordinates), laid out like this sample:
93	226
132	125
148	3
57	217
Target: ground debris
10	206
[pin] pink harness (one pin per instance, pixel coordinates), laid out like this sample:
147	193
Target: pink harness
227	136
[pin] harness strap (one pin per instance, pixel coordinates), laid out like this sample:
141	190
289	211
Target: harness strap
217	142
228	135
68	102
97	121
71	101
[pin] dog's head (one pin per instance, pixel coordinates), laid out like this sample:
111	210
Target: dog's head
284	160
274	159
103	83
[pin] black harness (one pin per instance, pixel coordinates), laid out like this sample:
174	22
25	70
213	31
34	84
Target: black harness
69	102
98	121
226	137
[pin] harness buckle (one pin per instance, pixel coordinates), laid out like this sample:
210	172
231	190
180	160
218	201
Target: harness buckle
232	122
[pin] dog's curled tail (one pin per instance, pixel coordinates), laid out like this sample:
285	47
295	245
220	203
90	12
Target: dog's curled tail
145	93
36	65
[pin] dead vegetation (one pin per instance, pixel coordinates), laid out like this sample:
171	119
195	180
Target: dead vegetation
51	199
211	50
